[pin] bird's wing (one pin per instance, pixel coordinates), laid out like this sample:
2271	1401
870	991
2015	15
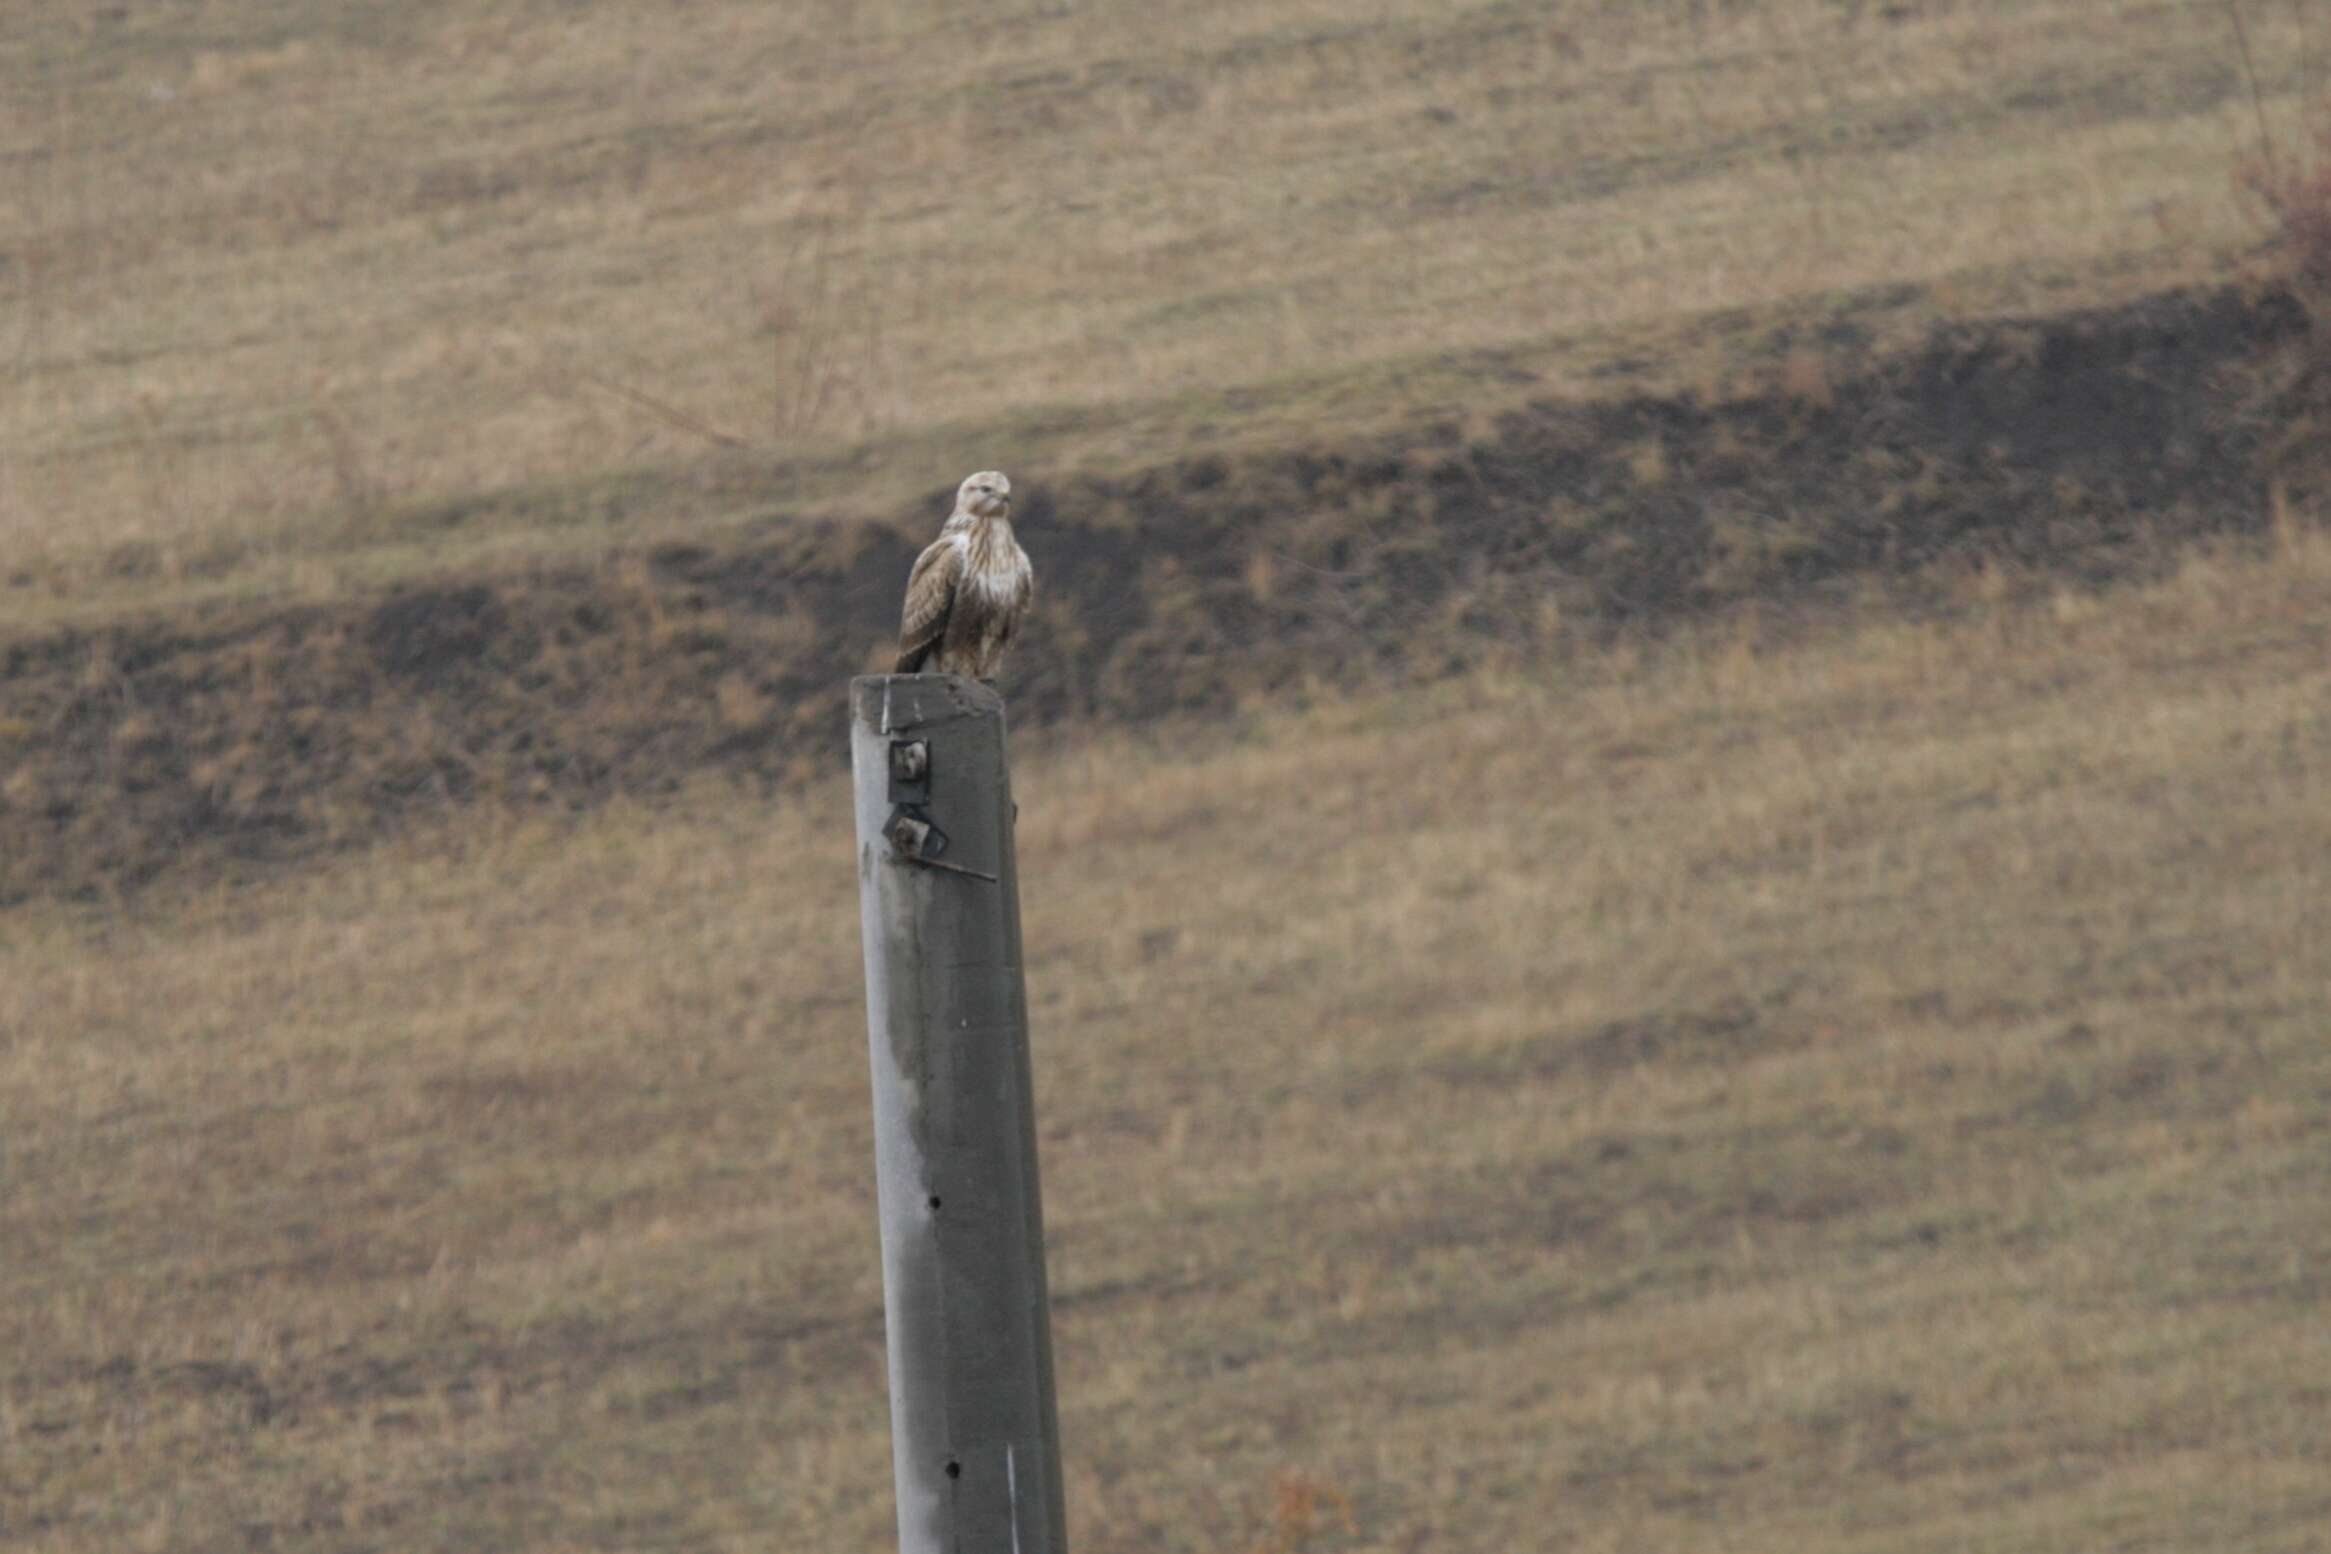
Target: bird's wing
930	596
1017	610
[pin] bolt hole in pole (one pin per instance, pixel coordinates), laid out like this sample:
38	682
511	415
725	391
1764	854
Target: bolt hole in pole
975	1435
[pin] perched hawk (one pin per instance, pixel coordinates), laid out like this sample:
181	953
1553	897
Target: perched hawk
968	591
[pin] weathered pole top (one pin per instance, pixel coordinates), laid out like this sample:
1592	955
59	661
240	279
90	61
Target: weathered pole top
888	702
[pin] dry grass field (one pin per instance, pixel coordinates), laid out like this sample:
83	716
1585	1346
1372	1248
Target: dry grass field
296	297
1867	1095
1674	821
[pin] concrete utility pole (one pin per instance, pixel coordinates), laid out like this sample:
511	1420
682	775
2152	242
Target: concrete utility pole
975	1436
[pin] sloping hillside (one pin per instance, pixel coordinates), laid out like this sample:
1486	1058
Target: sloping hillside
1674	822
1863	1096
2081	447
302	297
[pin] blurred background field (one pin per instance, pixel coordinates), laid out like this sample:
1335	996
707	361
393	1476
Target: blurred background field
1673	822
295	290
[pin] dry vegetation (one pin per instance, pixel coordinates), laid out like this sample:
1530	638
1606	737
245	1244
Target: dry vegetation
1865	1095
299	297
2088	445
1799	1028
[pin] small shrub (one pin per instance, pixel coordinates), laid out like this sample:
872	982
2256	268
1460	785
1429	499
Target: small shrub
2292	401
1303	1510
2297	200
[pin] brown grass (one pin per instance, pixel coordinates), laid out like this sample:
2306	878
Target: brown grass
1833	1081
2085	446
1861	1095
298	300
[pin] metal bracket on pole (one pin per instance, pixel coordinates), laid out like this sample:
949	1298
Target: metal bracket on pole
913	835
911	832
916	840
910	771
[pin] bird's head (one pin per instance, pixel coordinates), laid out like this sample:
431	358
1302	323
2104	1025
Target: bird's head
987	494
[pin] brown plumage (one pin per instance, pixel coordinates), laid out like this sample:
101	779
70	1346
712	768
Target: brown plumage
969	590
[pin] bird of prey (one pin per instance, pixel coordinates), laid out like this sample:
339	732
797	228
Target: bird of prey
969	589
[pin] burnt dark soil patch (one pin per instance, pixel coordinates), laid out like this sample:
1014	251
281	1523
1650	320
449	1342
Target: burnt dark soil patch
2072	445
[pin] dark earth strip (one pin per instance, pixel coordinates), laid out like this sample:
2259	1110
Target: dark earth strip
2069	446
